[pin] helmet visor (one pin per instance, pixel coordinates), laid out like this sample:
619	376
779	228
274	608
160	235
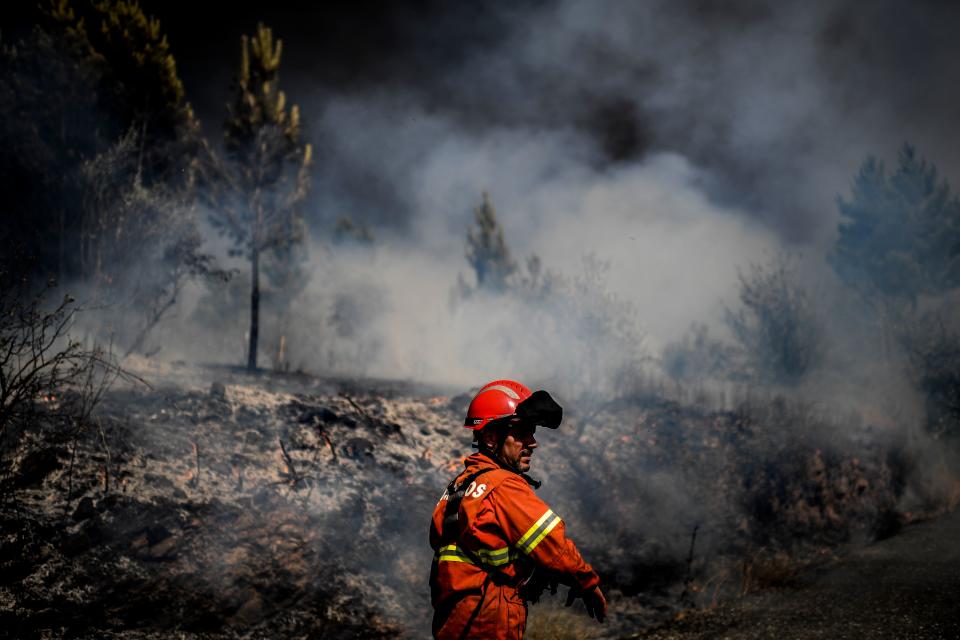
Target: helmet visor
540	410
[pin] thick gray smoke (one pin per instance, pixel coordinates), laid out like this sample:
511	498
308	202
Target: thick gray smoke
644	152
671	142
776	103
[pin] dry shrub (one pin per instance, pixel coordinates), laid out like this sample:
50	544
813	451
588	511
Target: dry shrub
555	622
767	570
754	570
933	347
776	324
40	362
767	485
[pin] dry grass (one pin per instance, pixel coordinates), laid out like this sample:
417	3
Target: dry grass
555	622
767	571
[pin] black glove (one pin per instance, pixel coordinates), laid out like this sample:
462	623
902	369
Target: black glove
593	600
538	582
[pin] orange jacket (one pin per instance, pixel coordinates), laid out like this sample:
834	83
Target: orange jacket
505	531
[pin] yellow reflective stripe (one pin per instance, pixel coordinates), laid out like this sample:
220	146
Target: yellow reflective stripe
496	557
450	553
532	545
532	530
453	558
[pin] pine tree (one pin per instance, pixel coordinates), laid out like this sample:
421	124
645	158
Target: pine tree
47	124
898	239
126	57
487	251
266	172
141	90
100	149
897	232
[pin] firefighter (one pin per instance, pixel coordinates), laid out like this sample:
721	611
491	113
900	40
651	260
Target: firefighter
497	545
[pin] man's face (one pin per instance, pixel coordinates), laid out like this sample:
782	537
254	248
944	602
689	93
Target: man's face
518	446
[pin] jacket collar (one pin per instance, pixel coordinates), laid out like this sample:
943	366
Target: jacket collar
478	461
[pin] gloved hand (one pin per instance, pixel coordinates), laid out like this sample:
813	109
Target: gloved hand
593	600
538	582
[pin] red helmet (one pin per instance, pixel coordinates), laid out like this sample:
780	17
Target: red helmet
497	399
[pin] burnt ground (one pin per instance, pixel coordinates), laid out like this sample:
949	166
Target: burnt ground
217	504
907	586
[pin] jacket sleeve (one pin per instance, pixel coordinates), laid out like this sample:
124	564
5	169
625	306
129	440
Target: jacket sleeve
536	531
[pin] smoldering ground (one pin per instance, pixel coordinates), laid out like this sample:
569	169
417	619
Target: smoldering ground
660	473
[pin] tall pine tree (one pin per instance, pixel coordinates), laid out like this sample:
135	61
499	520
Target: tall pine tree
140	89
266	173
898	239
487	251
898	232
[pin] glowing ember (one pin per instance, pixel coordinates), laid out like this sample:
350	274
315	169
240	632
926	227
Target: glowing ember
49	399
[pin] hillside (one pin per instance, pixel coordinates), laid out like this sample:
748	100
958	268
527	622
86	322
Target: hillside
219	504
907	586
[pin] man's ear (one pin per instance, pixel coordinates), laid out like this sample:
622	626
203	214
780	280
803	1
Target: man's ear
489	439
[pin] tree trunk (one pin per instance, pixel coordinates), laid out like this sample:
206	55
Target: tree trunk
61	276
254	311
60	266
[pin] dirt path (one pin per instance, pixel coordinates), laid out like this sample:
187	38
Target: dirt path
905	587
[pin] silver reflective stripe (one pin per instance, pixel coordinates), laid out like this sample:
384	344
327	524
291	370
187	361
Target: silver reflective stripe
507	390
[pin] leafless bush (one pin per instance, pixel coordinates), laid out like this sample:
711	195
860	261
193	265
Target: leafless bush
44	373
698	356
140	242
179	262
34	360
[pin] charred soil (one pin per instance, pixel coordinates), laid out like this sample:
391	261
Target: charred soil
222	504
223	510
907	586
